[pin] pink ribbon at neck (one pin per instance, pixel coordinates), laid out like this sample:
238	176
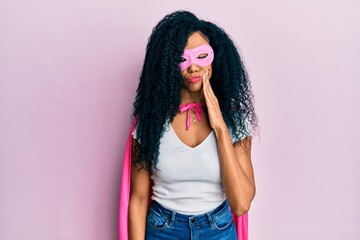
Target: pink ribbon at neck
198	109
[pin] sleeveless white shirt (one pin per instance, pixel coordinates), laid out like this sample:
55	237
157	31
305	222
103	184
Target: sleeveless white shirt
187	180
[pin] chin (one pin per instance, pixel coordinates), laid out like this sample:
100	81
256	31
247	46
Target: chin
195	87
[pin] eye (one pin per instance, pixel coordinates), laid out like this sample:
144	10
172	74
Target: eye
182	59
202	56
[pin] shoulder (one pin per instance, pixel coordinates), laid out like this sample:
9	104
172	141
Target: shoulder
136	127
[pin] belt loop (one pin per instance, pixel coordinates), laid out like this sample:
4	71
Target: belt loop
211	220
173	215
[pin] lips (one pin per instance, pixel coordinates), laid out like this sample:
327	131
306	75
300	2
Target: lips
194	79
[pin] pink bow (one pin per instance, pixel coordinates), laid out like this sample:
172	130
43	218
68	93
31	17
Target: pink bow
198	108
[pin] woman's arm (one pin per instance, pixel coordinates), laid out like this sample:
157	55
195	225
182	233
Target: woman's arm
139	195
237	171
235	160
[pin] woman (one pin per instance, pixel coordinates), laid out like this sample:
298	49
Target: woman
191	149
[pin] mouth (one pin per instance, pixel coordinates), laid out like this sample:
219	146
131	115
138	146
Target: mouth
194	79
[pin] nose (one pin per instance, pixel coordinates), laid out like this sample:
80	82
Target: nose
193	68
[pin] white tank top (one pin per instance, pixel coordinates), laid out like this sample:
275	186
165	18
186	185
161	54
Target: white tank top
187	180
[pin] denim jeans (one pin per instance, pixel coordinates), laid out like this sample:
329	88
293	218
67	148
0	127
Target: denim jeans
164	224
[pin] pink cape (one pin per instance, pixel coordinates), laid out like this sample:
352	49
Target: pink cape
240	222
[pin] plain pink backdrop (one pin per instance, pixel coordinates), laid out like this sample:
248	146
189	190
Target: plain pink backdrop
68	75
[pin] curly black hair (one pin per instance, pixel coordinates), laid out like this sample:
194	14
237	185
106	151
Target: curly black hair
159	90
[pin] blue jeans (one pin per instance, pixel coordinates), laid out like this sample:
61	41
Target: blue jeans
164	224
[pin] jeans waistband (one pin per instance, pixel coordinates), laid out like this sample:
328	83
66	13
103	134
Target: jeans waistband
222	209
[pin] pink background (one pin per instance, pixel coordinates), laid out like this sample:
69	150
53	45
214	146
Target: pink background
68	75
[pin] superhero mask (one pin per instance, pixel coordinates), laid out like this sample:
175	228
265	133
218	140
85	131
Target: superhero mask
202	55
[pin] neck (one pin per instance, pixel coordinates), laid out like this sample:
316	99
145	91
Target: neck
187	96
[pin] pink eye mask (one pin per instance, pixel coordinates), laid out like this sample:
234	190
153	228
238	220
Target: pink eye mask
195	56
